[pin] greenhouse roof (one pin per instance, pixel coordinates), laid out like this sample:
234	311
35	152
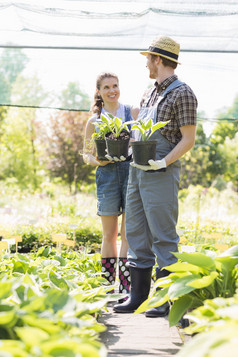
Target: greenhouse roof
198	25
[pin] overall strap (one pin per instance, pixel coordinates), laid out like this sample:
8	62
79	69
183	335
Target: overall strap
172	86
128	116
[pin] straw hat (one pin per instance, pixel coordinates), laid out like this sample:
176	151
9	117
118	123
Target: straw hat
164	47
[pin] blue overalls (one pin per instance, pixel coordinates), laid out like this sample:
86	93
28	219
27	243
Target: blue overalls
152	205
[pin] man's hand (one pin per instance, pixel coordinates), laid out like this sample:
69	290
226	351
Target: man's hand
153	165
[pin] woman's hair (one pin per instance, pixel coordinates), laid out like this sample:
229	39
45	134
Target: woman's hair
98	101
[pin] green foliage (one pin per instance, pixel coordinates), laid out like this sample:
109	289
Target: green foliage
216	323
208	316
113	125
54	299
104	127
147	128
64	147
195	162
29	92
88	237
12	63
209	210
72	97
230	154
195	278
19	151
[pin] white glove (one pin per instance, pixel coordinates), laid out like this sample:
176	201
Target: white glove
153	165
114	158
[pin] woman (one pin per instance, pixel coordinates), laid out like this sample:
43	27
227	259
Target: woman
111	181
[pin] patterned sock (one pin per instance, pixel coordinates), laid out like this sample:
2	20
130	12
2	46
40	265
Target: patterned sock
109	269
124	276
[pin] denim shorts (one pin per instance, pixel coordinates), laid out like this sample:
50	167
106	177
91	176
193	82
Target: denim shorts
111	183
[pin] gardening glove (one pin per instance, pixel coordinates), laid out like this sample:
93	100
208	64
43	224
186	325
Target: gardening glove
153	165
114	158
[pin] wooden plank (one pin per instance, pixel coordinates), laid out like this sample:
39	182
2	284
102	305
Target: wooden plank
212	235
3	245
18	239
221	247
4	233
69	242
59	237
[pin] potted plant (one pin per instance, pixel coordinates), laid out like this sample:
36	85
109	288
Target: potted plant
99	137
117	137
145	149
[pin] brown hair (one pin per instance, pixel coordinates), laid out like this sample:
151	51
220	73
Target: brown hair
98	101
166	62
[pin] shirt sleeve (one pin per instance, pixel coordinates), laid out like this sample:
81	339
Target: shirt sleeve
185	107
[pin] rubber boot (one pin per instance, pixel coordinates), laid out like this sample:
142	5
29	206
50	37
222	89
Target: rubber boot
124	279
109	266
140	288
162	310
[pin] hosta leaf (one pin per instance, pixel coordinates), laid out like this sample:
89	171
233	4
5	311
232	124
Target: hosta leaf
209	343
13	349
159	125
180	286
59	282
204	281
69	348
198	259
5	289
148	124
184	267
56	299
179	308
20	267
117	121
227	263
42	323
37	304
8	318
31	336
63	262
157	299
137	127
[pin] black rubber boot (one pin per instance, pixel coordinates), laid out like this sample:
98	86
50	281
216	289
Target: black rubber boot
109	266
140	288
162	310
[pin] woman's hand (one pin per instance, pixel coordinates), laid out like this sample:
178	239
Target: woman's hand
89	159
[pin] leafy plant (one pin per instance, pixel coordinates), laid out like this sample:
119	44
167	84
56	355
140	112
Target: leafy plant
55	299
211	314
147	128
195	278
216	323
103	126
111	124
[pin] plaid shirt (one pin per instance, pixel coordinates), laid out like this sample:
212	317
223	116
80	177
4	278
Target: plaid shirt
179	106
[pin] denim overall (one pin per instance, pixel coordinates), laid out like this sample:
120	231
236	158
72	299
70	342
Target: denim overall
111	181
152	204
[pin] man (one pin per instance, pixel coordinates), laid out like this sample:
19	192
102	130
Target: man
152	196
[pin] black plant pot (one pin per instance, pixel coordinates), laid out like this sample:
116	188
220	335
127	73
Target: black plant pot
118	146
101	149
143	151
